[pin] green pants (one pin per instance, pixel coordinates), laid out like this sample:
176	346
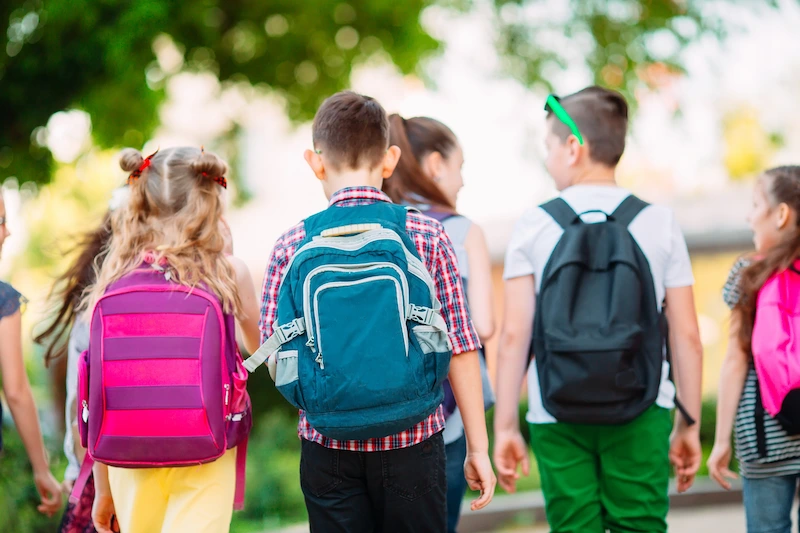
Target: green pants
598	478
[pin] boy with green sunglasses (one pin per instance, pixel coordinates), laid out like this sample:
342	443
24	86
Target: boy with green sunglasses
590	279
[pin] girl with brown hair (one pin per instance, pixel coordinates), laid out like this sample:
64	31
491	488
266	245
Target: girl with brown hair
428	176
769	458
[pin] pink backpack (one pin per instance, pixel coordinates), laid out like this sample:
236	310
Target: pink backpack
776	347
163	383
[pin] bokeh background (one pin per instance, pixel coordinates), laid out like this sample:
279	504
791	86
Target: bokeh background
712	86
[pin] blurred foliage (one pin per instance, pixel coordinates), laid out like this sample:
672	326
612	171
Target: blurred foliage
18	496
748	146
111	59
72	204
626	44
274	497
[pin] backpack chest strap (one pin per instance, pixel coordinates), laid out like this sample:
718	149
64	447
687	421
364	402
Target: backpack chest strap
281	336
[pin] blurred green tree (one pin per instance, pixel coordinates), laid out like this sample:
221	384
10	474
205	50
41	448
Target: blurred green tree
101	56
110	58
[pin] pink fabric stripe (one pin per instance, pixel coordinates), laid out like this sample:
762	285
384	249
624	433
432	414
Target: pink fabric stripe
156	423
153	325
151	372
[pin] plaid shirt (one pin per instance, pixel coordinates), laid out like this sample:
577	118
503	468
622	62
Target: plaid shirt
437	254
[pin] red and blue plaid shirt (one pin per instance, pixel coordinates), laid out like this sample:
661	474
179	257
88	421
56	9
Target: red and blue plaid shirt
436	252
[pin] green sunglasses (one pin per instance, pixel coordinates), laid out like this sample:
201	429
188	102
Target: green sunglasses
553	104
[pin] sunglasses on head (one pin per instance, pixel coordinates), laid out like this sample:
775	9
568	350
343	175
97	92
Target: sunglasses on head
553	103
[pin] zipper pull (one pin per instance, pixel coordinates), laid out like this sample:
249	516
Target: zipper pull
227	392
319	361
311	344
85	412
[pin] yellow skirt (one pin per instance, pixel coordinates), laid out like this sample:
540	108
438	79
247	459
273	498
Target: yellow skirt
175	500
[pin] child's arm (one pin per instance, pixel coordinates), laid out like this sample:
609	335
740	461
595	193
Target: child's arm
103	509
18	394
731	384
687	360
247	295
481	304
510	450
465	374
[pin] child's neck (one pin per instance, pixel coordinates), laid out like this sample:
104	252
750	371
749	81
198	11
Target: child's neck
362	177
599	175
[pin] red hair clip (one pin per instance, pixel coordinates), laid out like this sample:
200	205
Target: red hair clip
145	164
219	180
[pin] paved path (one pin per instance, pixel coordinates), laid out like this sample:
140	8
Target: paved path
717	519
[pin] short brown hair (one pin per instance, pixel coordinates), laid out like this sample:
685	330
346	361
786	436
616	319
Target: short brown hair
352	130
602	119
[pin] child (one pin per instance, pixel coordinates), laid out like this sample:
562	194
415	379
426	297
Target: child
599	386
428	176
769	455
17	389
67	295
395	480
168	235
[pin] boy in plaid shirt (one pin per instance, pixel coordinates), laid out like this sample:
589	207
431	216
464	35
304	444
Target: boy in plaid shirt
393	483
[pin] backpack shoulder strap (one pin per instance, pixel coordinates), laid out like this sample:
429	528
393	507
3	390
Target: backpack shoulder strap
628	210
457	228
561	212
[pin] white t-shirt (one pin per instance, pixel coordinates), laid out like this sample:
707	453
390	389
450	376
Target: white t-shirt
654	229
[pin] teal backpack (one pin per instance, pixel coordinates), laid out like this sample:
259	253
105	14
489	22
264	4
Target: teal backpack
361	344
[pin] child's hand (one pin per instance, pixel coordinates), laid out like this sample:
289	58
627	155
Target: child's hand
49	491
480	476
719	465
510	451
103	514
685	455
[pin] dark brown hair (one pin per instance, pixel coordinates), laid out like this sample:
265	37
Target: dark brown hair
416	138
68	290
602	119
781	186
351	130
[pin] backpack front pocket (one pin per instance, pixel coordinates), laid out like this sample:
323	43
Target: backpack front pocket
362	345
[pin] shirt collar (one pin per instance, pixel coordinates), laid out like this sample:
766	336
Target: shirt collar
359	193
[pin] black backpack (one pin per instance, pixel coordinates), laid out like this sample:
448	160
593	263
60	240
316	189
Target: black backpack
598	335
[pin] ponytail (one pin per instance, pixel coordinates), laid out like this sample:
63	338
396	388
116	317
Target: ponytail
416	138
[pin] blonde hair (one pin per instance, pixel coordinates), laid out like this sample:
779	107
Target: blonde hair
174	212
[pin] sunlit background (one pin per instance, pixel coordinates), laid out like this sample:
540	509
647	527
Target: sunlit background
713	88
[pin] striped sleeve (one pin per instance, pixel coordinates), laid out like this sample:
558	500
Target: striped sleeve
731	292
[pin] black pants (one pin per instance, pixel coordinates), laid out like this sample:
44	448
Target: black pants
399	491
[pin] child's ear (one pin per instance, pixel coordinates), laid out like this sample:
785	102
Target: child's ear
784	214
390	161
314	160
575	150
432	165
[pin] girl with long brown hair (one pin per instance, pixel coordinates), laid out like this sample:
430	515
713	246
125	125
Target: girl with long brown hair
770	464
428	176
66	334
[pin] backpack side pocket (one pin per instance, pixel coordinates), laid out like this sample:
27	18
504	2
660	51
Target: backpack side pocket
83	398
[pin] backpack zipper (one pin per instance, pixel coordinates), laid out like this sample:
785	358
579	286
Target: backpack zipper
340	268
